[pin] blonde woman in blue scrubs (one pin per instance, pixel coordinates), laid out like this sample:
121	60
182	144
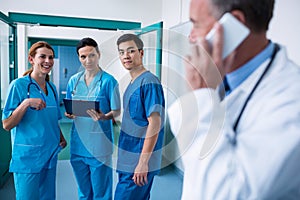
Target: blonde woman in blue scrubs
31	113
91	137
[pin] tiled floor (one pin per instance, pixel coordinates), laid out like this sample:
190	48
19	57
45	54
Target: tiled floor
166	186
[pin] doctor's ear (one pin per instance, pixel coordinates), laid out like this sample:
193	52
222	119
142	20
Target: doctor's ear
239	15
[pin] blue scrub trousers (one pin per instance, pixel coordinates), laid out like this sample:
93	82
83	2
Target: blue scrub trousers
35	186
127	190
94	178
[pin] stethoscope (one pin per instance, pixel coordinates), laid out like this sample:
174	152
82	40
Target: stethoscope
77	81
38	88
276	49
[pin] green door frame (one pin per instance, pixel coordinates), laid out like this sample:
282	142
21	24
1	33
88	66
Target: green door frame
54	42
158	27
49	20
75	22
13	71
5	19
5	143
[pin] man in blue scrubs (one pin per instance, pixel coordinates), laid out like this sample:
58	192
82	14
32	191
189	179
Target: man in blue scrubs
91	137
32	112
141	136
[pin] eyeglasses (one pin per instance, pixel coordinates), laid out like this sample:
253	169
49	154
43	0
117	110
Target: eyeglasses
129	51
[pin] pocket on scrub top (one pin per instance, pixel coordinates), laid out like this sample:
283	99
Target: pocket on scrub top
135	106
27	157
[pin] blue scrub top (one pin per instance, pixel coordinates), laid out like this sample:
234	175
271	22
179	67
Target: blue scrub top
141	98
90	138
35	140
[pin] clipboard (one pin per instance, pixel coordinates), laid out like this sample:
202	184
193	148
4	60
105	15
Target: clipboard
79	107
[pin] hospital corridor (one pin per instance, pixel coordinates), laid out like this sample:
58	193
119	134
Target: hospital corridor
167	185
139	99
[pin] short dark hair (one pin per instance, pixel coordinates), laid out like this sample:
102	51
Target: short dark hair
87	42
258	13
129	37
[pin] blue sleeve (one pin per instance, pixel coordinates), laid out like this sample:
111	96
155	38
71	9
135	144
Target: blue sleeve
13	100
70	87
114	95
153	99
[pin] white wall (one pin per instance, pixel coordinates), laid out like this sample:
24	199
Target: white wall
144	11
175	12
284	27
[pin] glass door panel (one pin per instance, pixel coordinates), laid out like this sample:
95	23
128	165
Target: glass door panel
7	74
152	38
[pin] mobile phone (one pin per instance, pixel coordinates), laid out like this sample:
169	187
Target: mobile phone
234	33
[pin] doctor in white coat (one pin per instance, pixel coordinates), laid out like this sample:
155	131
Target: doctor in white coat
247	145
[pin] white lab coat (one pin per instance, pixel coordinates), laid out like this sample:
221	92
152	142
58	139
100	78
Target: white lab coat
265	162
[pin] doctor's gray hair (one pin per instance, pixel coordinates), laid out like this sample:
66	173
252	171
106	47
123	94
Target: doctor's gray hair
258	13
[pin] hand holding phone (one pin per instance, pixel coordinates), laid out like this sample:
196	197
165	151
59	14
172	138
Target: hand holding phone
234	33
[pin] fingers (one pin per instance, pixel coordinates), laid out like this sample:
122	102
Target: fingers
192	75
217	45
70	116
205	65
37	104
140	179
226	64
195	51
41	105
91	113
199	66
96	115
63	144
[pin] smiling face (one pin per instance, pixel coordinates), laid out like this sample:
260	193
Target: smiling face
43	60
130	56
